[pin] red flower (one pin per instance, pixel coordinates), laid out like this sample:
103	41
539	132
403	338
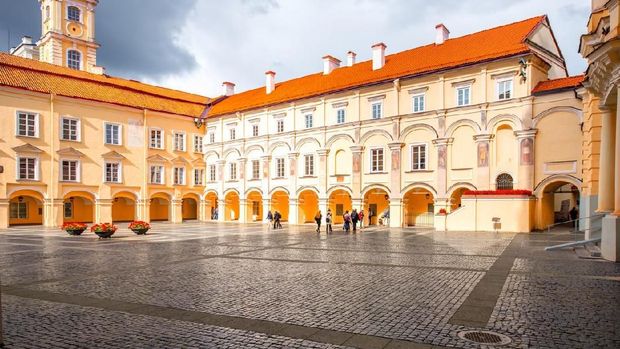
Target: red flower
499	192
74	226
104	228
139	225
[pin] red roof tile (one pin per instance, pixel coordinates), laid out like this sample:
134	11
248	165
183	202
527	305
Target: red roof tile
558	84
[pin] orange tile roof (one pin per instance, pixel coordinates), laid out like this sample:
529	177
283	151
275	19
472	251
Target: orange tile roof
42	77
558	84
490	44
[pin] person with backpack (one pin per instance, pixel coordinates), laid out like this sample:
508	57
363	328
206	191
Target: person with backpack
276	220
317	219
361	217
269	218
354	218
328	221
347	221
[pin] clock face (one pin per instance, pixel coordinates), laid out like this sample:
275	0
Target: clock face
75	29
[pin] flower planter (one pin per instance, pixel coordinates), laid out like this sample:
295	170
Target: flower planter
104	230
75	232
140	231
104	234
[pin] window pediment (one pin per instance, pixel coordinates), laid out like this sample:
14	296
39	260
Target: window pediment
70	152
156	158
27	149
113	155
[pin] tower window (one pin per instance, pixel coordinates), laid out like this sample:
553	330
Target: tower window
74	59
504	182
73	13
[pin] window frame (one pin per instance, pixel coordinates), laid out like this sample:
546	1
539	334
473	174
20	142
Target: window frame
277	168
79	12
344	116
105	133
36	124
469	94
64	209
162	174
71	60
255	170
255	130
161	138
119	174
211	137
199	182
280	126
411	159
232	171
78	129
78	171
18	210
198	144
309	170
176	174
415	96
232	133
175	144
36	171
371	160
309	120
212	173
498	82
372	110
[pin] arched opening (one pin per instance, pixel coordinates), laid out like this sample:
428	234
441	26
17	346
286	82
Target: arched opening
557	201
339	203
211	203
505	148
419	208
189	208
78	207
160	207
504	182
279	202
254	210
124	207
455	198
376	204
308	203
232	207
25	208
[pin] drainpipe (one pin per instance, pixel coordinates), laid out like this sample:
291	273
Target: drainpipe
52	183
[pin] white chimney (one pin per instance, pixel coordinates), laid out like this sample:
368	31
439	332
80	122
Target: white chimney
351	58
97	70
442	34
270	81
378	56
27	40
228	88
329	64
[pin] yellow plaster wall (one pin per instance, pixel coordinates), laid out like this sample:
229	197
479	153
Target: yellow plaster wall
123	210
34	208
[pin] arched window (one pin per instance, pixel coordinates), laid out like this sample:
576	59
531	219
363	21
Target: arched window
74	59
339	162
504	182
73	13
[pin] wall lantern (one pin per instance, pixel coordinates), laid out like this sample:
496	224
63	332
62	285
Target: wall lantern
198	122
428	196
20	199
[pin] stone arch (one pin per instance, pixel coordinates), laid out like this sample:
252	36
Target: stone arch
376	132
160	208
335	138
278	144
79	206
229	190
410	128
207	192
36	193
463	122
253	189
190	206
230	151
370	187
339	187
254	147
540	187
279	188
577	112
30	208
458	185
421	185
124	206
126	193
211	152
307	140
307	187
512	119
89	194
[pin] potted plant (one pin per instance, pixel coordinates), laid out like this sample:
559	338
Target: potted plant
139	227
74	228
442	212
104	230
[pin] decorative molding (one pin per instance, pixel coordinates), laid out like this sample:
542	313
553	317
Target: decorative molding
463	82
376	98
417	91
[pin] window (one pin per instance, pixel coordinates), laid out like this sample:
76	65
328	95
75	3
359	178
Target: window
309	165
68	209
212	137
112	172
463	95
18	210
232	171
198	176
255	169
280	126
340	114
418	103
70	170
212	173
233	134
156	139
179	141
418	157
179	175
308	119
70	129
197	144
73	13
504	182
376	110
112	134
280	168
504	89
157	174
255	208
254	130
376	160
27	169
27	124
74	59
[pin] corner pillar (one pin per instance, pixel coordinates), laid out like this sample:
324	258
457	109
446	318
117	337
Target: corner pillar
606	170
396	212
243	210
143	210
4	213
103	210
176	211
293	211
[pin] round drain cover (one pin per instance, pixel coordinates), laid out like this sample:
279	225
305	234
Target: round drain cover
485	337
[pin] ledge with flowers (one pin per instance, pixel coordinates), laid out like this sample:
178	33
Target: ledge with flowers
104	230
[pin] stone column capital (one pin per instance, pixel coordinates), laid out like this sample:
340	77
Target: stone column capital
442	141
396	146
323	152
484	137
531	133
220	162
266	157
293	155
357	149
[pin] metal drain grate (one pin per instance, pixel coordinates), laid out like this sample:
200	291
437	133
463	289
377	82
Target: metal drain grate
485	337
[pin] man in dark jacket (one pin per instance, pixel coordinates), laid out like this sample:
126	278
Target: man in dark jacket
354	218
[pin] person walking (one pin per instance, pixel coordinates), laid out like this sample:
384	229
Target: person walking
317	219
347	221
276	220
354	219
574	214
370	213
361	217
328	221
269	218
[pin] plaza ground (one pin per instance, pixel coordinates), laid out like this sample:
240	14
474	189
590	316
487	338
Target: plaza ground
197	285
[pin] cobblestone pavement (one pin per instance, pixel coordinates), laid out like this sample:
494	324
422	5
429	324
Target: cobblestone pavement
231	286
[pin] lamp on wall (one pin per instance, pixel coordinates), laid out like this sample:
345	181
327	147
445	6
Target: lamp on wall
198	122
20	199
428	196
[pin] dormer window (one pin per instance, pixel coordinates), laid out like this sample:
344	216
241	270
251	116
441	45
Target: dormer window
73	13
74	59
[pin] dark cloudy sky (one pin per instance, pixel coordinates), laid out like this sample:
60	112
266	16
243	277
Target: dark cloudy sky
194	45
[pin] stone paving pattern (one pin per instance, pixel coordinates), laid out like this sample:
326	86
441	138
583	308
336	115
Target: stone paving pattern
384	283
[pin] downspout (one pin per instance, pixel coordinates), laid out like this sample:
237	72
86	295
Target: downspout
145	170
52	183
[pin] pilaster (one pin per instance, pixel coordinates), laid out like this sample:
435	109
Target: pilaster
395	173
356	173
143	211
606	169
483	144
526	158
243	210
103	210
176	211
442	162
4	213
323	171
396	212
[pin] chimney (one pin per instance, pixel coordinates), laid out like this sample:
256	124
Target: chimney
378	56
442	34
329	64
26	40
97	70
270	81
228	88
351	58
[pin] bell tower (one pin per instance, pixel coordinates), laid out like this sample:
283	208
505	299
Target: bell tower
68	34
